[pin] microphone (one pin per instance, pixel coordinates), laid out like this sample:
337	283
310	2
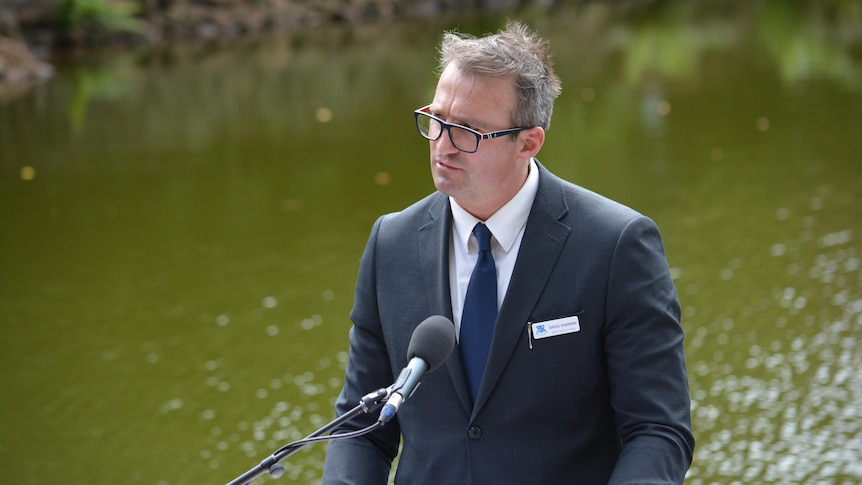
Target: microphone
430	345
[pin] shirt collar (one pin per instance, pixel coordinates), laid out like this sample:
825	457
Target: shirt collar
505	224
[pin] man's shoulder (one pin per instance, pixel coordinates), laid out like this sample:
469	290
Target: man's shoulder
416	215
580	202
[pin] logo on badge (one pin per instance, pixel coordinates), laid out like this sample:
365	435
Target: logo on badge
539	330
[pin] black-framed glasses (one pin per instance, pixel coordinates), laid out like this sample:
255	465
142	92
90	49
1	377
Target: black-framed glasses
463	138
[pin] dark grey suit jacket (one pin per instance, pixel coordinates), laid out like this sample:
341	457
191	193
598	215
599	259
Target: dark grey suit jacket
608	403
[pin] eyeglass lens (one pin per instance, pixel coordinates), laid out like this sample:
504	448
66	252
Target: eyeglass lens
462	139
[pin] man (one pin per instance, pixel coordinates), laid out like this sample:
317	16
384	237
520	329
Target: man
579	374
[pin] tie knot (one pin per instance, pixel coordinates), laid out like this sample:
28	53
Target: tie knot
483	236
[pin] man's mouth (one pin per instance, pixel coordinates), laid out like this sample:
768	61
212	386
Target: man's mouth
446	164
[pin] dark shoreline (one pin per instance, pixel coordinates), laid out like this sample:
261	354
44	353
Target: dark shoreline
31	36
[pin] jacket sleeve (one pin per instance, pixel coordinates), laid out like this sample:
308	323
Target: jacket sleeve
365	460
646	362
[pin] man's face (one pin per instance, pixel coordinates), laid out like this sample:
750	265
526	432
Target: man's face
484	181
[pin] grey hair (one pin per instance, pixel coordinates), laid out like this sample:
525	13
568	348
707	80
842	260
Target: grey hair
515	52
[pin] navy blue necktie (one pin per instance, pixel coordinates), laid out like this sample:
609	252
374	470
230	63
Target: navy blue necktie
480	312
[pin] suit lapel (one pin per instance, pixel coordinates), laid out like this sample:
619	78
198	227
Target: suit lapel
543	241
434	259
434	256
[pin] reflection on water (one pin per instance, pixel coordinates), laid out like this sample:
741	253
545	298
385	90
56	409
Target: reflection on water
777	388
182	231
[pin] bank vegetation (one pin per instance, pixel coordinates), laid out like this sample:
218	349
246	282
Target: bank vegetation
33	31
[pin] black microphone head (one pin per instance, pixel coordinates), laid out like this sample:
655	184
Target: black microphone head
432	341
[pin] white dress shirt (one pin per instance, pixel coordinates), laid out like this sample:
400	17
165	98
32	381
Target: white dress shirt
507	229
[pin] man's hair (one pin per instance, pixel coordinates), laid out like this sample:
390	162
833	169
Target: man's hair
515	52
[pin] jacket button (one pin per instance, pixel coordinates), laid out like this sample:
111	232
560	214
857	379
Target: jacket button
474	432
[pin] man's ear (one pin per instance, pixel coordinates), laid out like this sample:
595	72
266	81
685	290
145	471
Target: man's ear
531	141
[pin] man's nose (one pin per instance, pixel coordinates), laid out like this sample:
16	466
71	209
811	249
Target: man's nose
444	143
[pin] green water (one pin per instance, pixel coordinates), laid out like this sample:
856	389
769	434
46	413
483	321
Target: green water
181	231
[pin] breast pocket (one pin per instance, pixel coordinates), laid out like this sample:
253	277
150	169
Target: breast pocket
544	329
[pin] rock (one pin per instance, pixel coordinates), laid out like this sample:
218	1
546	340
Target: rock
19	68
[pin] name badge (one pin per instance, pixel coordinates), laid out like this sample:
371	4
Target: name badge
552	328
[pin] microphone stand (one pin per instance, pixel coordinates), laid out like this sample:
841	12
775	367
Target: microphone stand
271	464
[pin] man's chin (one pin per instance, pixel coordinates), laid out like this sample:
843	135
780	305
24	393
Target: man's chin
443	184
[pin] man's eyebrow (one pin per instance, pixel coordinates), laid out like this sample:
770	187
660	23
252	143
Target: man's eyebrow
456	121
